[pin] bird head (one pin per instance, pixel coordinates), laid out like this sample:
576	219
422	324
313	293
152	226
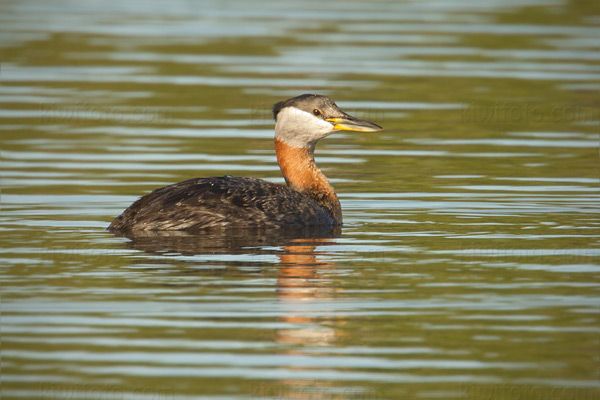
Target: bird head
303	120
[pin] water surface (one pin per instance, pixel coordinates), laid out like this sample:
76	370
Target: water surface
467	267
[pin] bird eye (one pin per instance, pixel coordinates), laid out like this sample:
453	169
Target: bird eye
317	112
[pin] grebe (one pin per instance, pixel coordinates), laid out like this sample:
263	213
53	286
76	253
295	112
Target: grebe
221	202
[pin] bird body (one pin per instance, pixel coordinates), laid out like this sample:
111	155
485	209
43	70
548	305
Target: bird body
309	200
221	202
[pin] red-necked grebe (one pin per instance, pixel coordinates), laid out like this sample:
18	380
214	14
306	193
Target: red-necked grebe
221	202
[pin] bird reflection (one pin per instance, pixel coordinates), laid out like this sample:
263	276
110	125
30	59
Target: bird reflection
301	281
230	241
304	286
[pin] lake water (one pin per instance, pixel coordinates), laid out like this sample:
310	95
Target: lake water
469	263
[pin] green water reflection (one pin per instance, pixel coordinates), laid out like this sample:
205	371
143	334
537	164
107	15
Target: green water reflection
468	264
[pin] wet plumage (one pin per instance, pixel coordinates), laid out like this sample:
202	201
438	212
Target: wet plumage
221	202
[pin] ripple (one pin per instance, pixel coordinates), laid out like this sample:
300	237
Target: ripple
469	252
258	360
509	142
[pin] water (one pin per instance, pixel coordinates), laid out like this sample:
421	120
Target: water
467	267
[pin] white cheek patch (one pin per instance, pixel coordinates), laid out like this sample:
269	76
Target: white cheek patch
299	128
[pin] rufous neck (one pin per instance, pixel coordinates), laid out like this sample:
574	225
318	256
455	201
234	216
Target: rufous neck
302	174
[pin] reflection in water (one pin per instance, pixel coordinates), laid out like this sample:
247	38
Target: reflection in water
302	286
300	281
226	241
468	266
